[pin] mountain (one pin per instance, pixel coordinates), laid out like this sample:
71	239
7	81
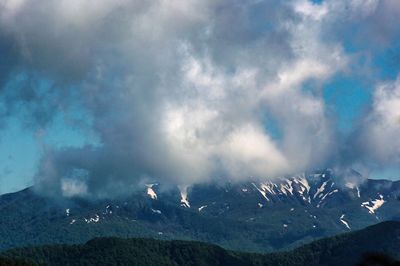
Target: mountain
344	249
250	216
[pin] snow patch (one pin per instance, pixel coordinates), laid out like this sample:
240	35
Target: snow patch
304	188
320	189
184	197
96	219
344	222
263	193
268	187
156	211
202	207
150	191
108	210
287	187
305	184
373	205
328	194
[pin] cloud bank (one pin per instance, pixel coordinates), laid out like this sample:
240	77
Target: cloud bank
189	91
379	136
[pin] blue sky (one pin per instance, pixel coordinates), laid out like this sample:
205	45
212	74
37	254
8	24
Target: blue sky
21	150
192	92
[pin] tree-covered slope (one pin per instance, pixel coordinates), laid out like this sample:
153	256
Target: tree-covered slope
15	262
345	249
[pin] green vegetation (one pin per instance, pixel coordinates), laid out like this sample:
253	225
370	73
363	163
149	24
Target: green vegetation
15	262
345	249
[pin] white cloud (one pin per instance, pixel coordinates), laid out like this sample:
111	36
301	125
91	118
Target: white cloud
249	152
180	90
311	10
381	131
73	188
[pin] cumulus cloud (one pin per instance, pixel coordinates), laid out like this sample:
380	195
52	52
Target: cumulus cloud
379	139
176	91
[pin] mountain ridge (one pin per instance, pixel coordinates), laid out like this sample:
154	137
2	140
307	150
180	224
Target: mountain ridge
248	216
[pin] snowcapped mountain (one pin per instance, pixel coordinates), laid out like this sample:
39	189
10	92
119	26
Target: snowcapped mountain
253	216
318	191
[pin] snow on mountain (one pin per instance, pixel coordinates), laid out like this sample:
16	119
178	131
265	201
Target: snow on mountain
316	190
320	189
150	191
94	219
300	207
344	221
202	207
184	196
156	211
316	195
373	205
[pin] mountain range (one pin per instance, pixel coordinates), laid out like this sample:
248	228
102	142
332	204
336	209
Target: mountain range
257	216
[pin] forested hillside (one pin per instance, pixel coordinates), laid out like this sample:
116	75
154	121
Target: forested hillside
345	249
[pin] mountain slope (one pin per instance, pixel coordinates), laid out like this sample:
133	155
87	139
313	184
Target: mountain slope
345	249
15	262
250	216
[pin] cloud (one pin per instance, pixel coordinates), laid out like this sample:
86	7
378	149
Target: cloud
366	26
312	10
175	91
379	136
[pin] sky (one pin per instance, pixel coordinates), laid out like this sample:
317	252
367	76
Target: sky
97	98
